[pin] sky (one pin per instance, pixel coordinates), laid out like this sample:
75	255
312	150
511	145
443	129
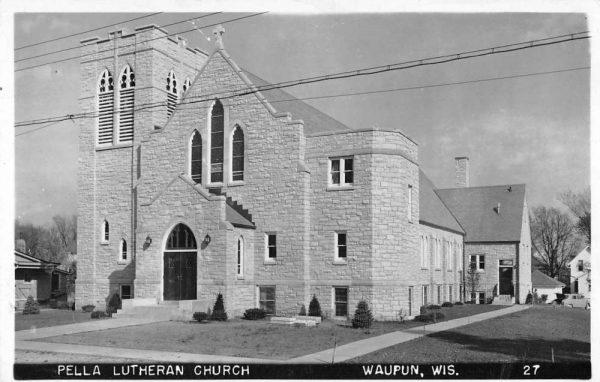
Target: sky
533	129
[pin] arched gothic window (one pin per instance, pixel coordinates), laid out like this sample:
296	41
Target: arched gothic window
240	256
181	237
105	108
217	138
186	85
172	95
126	102
123	255
196	157
237	154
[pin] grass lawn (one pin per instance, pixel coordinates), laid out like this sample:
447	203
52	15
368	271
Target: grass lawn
258	339
49	317
527	336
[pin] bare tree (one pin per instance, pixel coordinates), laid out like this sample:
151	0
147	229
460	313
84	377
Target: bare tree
61	237
554	238
580	205
472	279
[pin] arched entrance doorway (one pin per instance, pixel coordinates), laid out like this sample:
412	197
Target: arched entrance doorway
180	257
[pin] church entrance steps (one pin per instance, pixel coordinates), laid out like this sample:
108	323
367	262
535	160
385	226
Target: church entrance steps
503	299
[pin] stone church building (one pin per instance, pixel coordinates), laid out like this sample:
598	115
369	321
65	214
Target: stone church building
198	178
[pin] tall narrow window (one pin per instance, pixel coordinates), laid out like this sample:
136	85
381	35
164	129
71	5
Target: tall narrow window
459	258
196	157
437	254
123	255
240	257
439	294
237	154
409	206
172	94
217	138
423	252
186	85
105	231
341	301
449	264
450	295
271	253
106	96
126	95
425	300
410	300
340	246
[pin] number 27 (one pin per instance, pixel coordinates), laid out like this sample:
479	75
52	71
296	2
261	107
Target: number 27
527	369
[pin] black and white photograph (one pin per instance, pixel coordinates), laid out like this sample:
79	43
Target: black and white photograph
309	191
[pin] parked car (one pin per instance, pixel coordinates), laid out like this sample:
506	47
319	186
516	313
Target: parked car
574	300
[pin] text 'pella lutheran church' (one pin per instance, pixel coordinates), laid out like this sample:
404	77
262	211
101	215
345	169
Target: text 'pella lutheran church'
197	177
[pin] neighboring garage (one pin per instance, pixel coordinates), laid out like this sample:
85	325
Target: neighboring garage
545	285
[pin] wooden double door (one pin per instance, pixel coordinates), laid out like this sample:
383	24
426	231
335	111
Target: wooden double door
180	275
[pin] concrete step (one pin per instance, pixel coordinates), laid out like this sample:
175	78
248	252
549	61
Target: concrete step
503	299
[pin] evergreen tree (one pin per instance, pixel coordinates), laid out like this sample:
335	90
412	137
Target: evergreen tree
362	316
314	308
218	313
31	306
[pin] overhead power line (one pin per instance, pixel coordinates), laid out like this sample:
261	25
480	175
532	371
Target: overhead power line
86	31
39	128
186	102
79	46
144	41
375	69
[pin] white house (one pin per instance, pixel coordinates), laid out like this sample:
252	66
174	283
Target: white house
581	272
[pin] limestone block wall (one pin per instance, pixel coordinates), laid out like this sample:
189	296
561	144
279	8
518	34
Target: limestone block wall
107	175
494	252
447	274
273	190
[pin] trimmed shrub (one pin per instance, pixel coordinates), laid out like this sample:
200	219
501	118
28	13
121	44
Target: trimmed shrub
218	313
423	310
458	303
114	303
314	308
31	306
88	308
544	298
362	316
430	317
529	298
302	310
433	307
254	314
99	314
201	316
447	304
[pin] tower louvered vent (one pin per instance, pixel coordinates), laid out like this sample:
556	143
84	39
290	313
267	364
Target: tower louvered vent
126	102
105	108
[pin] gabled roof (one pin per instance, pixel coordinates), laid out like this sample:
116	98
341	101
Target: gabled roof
584	254
315	121
431	209
540	280
475	209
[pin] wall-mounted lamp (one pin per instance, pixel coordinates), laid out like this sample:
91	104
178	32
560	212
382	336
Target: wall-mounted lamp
148	241
206	239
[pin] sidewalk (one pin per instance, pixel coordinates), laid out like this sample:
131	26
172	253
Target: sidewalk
88	326
339	354
369	345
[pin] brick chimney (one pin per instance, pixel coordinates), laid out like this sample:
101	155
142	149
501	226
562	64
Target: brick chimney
462	171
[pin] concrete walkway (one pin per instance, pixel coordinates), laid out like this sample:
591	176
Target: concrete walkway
25	341
81	327
355	349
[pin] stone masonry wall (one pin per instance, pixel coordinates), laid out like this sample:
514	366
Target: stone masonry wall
489	278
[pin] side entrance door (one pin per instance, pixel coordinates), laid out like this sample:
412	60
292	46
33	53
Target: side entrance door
505	277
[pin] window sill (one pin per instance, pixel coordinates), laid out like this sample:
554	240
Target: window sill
104	243
270	262
214	185
240	277
236	183
340	262
114	146
341	188
122	262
